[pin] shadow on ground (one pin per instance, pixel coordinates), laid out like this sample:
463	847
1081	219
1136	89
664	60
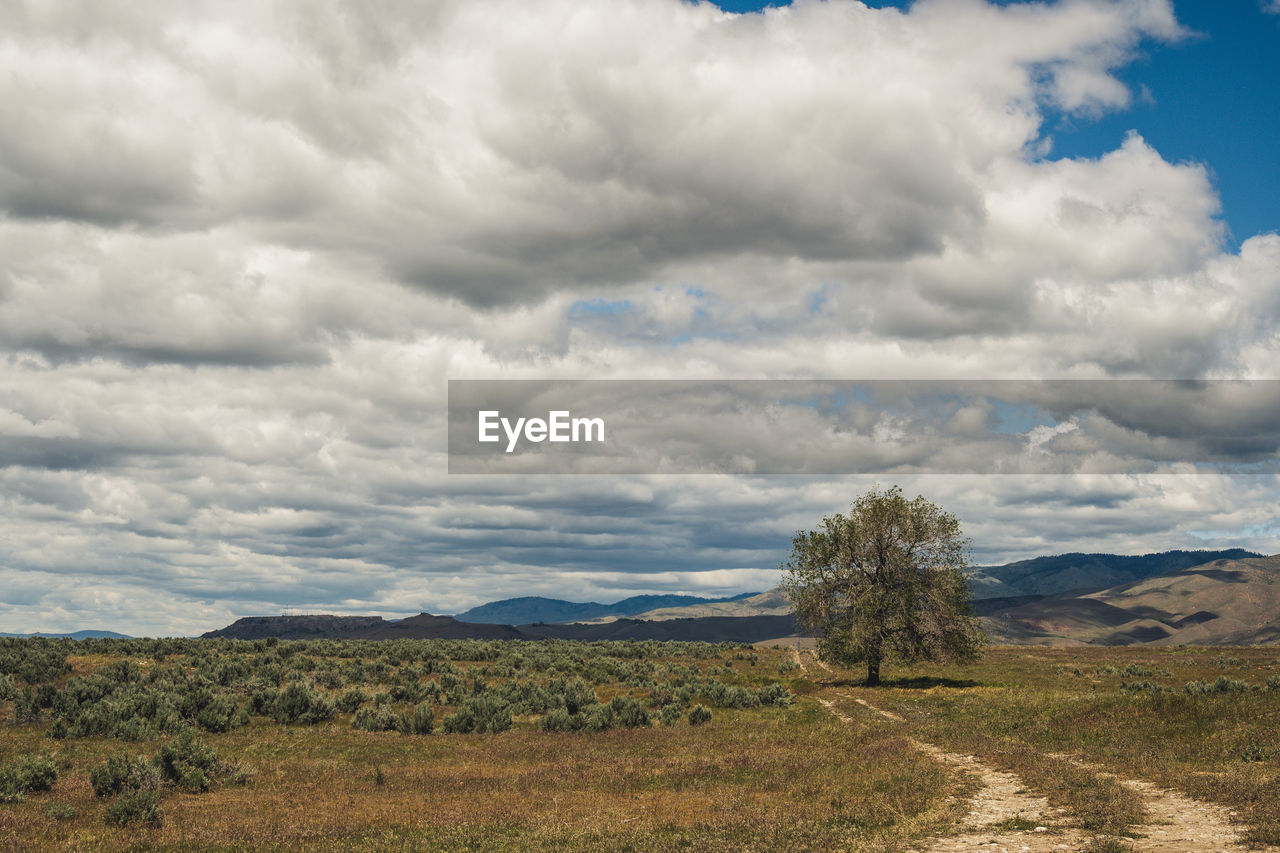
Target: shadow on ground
917	682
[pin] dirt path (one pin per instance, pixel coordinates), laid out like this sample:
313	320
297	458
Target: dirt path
1178	823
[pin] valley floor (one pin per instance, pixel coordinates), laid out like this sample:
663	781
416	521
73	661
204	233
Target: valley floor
1030	749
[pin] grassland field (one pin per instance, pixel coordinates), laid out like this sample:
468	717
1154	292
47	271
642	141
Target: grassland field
466	745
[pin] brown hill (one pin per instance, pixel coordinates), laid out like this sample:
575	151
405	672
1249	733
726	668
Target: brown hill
1225	602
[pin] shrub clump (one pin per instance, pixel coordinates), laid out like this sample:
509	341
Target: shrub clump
118	774
560	720
27	773
699	714
141	806
628	712
350	702
1222	685
421	721
298	703
670	714
378	718
1145	686
483	713
187	762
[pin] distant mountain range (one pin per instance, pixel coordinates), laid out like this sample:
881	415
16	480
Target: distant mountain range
1068	572
771	603
1193	597
75	635
716	629
531	609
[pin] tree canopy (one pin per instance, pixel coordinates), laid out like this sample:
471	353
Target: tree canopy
885	582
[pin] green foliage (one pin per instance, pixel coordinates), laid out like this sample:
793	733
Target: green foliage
774	694
699	714
187	762
119	773
560	720
1145	686
140	806
59	811
421	721
887	581
27	773
350	701
26	707
34	660
378	718
483	713
299	703
1222	685
669	715
628	712
222	713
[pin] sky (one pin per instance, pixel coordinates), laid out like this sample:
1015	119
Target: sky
244	247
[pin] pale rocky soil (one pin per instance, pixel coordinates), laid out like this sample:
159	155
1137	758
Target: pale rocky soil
1178	823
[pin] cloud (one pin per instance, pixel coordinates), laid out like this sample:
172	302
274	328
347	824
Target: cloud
243	246
493	153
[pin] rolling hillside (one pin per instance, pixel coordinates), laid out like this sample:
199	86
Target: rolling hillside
1075	571
1222	602
1225	602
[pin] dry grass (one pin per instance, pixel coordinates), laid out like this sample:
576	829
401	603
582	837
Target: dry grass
758	779
1020	706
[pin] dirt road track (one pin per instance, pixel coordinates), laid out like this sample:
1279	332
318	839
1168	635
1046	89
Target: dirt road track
1178	823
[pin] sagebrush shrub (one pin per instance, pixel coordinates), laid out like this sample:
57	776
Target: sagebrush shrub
119	773
350	701
628	712
25	774
141	806
186	761
560	720
59	811
298	703
221	714
774	694
378	718
1222	685
483	713
421	721
698	715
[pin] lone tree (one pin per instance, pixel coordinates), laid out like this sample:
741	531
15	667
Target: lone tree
885	582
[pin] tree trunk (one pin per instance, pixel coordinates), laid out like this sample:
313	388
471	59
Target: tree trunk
873	672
